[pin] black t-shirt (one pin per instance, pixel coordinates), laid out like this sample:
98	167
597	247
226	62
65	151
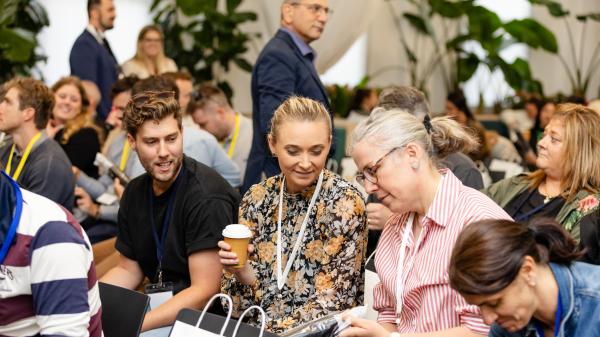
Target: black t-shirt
204	204
530	204
81	148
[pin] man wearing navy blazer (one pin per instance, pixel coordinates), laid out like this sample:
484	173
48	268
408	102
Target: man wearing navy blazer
285	67
91	57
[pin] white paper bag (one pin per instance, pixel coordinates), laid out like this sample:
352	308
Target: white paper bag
181	329
263	319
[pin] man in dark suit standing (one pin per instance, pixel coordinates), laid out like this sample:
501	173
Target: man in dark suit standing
285	67
91	57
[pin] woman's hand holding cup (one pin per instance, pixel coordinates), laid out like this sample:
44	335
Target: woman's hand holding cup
234	252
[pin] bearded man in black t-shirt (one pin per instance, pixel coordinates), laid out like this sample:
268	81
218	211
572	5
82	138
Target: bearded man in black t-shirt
170	218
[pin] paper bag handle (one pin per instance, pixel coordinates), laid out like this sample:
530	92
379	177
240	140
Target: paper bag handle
229	311
263	318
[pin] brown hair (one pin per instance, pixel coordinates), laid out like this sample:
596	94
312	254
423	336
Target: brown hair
34	94
205	93
405	98
178	75
488	254
299	109
150	105
82	120
582	149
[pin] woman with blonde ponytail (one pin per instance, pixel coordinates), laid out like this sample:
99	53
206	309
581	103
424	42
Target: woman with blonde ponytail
397	158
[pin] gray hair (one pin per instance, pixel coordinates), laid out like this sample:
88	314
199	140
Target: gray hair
405	98
389	129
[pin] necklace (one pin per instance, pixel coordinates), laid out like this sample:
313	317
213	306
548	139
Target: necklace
547	197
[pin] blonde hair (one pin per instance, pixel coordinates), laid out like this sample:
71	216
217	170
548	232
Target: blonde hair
298	109
82	119
581	169
389	129
160	63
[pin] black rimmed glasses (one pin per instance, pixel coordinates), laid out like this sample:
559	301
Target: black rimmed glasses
315	9
370	173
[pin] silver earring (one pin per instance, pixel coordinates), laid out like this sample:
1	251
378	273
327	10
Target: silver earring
414	165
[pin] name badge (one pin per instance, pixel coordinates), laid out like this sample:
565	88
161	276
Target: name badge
159	293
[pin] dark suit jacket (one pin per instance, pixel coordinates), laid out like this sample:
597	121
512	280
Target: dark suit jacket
91	61
280	72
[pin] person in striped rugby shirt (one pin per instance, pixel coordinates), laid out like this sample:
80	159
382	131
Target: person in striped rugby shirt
48	283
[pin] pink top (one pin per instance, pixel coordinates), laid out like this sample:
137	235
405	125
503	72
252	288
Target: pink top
429	304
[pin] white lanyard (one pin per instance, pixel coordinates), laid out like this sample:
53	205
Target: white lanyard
282	276
403	270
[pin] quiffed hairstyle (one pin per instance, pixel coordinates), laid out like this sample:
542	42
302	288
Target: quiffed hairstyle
397	128
581	168
150	105
488	254
32	94
204	94
299	109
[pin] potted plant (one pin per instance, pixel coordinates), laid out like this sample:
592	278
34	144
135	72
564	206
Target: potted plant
203	39
20	22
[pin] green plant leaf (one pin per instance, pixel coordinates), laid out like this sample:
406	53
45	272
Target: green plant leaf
8	12
417	22
483	23
522	68
533	34
466	67
195	7
363	82
241	17
243	64
17	44
591	16
456	43
37	14
450	9
232	5
554	7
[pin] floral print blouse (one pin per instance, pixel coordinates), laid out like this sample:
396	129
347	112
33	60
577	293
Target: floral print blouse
327	275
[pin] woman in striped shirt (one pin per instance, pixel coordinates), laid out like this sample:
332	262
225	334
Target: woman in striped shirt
397	156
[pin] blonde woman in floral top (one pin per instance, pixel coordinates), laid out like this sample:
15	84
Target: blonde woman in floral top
326	273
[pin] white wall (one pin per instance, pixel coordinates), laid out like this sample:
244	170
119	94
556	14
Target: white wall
68	18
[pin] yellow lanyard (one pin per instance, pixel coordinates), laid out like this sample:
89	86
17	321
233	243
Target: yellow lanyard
236	132
124	156
23	159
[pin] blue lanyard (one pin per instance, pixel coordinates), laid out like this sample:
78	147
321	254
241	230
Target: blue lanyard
526	216
557	319
160	242
12	230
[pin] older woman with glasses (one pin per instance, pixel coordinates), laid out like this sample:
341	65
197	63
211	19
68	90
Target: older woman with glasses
397	155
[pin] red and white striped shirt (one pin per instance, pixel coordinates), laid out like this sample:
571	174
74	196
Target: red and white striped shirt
429	304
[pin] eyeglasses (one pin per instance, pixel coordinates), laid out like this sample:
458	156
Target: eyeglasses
144	97
159	40
315	9
370	173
